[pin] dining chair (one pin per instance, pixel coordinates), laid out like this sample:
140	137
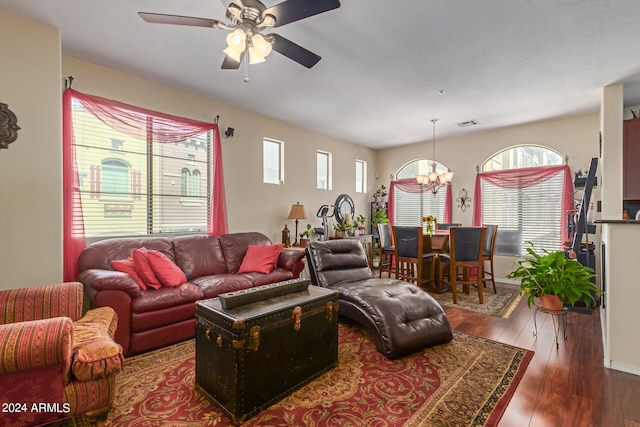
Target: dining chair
446	226
413	253
487	255
466	246
387	250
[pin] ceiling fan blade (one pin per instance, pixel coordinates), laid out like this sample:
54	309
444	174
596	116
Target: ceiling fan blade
294	10
159	18
231	64
293	51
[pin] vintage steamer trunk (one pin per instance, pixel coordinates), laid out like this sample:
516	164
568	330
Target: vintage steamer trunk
257	350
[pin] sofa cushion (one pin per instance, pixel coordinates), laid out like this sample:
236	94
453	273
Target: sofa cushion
166	297
277	275
212	286
199	256
128	266
234	246
144	269
165	270
99	255
260	259
95	354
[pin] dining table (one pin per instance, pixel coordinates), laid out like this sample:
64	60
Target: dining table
438	242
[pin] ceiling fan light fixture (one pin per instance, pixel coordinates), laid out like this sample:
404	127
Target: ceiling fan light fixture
237	40
262	47
233	53
254	56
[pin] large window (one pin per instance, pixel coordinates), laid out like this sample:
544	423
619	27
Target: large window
272	169
522	191
323	171
412	202
361	176
134	186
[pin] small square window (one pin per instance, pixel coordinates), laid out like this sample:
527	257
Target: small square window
116	144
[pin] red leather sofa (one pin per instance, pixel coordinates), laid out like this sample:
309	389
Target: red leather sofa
153	318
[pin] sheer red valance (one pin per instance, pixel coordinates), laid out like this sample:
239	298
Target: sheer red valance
523	178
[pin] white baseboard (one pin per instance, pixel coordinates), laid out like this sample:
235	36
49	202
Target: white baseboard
635	370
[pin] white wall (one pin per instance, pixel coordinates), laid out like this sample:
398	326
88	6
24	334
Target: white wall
31	168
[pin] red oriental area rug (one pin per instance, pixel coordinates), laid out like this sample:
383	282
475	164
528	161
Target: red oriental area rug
467	382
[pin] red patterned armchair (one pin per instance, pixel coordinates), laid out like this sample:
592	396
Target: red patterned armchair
55	363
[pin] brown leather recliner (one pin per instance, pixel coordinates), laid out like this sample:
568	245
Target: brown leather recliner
401	317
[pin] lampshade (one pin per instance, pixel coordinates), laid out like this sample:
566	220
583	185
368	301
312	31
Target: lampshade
297	212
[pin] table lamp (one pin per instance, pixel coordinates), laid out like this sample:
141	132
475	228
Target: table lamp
297	213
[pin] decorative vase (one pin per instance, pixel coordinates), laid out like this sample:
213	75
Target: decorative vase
551	303
430	228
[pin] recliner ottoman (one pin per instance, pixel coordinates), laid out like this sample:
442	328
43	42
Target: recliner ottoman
401	317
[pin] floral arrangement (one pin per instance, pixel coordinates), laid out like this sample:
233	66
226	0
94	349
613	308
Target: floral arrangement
378	197
360	224
431	222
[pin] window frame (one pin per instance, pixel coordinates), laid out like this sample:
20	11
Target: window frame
514	230
327	161
363	172
280	159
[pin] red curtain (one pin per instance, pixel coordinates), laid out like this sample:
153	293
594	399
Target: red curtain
524	178
141	124
410	185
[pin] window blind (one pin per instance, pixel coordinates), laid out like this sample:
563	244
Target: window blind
139	187
533	213
411	207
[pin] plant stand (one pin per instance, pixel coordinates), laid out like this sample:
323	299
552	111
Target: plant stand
559	319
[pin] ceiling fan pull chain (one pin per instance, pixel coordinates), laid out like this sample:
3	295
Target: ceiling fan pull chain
246	69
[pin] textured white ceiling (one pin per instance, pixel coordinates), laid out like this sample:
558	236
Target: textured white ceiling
500	62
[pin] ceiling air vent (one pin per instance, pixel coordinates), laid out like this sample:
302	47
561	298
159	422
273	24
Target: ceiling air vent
467	123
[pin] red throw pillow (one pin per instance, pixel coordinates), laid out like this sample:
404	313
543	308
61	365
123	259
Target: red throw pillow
166	271
129	267
260	259
277	257
144	268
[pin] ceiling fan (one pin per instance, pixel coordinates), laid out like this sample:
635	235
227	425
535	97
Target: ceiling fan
247	19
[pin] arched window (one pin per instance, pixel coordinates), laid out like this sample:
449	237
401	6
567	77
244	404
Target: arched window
114	179
184	182
411	201
525	190
195	183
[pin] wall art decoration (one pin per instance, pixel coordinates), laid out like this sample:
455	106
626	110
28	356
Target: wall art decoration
8	126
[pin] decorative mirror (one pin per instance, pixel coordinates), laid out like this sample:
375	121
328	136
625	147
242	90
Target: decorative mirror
8	126
344	205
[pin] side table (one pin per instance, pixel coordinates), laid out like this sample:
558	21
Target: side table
559	319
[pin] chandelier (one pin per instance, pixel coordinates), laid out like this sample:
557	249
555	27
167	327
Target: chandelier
434	180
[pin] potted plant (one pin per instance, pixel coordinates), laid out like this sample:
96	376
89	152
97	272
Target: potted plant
553	274
305	236
344	228
359	222
379	217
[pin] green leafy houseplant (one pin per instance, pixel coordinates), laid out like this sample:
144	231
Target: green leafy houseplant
379	217
555	274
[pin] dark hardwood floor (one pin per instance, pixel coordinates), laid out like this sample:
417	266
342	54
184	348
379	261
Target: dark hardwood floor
568	386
